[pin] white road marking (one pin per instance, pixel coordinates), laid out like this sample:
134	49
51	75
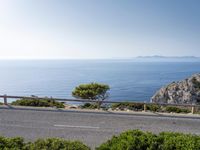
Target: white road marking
71	126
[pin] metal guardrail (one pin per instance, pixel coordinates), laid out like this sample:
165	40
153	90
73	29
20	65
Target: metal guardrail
5	97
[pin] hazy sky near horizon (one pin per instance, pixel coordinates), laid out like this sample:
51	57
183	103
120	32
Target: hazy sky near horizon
99	28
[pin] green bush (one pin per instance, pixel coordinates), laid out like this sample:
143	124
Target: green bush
38	103
150	107
130	140
89	106
176	109
127	105
154	107
179	141
55	144
138	140
18	143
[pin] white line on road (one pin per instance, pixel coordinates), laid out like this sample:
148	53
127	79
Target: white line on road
71	126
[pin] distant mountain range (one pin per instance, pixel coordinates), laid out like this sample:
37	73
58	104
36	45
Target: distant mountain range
157	58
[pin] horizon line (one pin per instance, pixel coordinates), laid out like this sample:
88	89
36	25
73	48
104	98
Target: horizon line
114	58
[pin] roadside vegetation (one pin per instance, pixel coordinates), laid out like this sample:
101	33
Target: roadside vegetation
89	106
138	140
18	143
38	103
127	106
150	107
154	108
123	106
176	109
129	140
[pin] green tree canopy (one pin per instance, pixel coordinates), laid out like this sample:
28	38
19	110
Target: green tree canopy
92	91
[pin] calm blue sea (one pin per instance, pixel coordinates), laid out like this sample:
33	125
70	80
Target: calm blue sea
129	81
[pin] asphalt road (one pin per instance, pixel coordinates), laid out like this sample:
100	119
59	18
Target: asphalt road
90	128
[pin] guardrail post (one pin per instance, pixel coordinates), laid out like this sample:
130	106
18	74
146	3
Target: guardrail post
145	107
5	100
193	110
98	105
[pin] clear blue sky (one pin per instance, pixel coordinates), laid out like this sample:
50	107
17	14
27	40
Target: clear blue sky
99	28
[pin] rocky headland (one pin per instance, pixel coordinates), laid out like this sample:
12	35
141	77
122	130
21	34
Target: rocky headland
182	92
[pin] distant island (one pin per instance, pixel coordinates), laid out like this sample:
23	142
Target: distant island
157	58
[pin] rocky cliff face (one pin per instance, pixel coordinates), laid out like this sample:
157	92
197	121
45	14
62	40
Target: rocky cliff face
182	92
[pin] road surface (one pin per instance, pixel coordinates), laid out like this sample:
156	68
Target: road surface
88	127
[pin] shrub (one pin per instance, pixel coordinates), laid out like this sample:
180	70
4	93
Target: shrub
127	105
89	106
179	141
154	107
130	140
38	103
18	143
138	140
197	109
150	107
56	144
176	109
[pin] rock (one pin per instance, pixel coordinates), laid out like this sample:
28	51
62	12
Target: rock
68	106
73	107
110	109
182	92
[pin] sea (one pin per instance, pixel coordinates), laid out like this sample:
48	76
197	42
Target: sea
128	80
